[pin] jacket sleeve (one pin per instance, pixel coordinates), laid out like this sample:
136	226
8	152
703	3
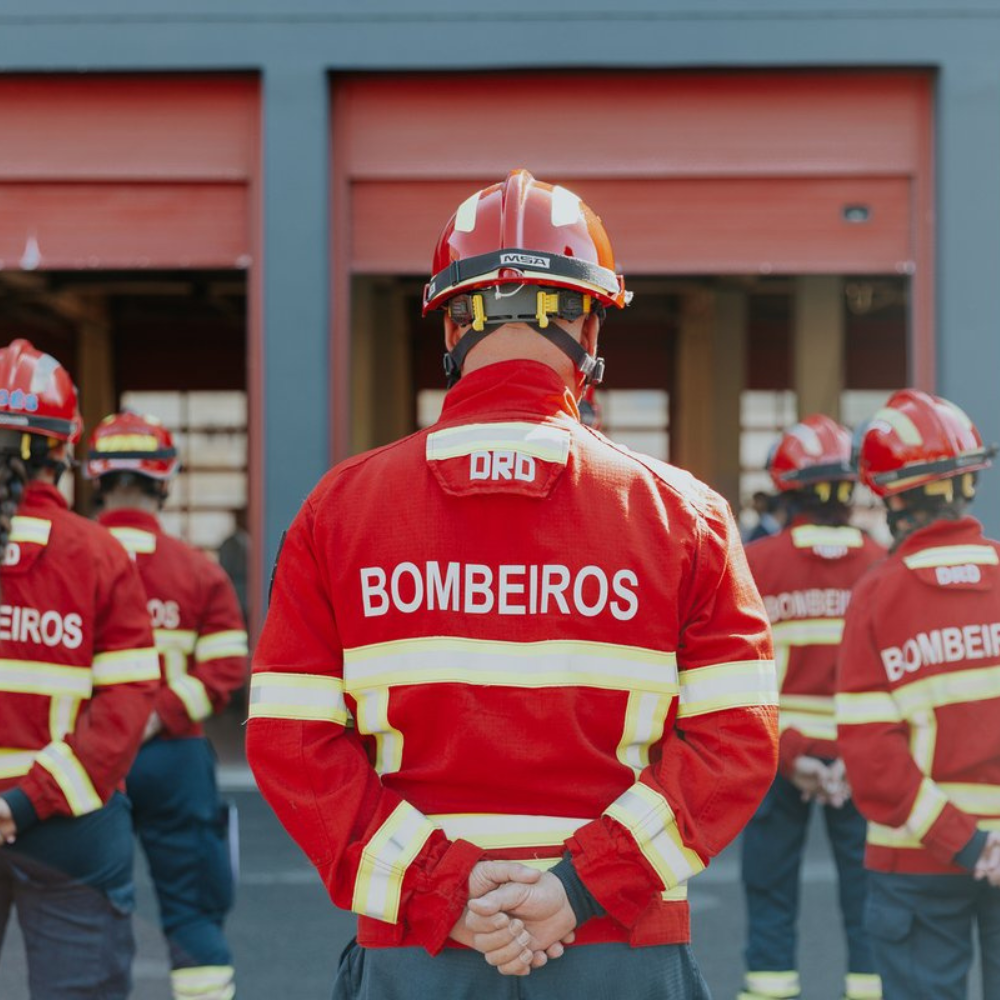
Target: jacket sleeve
718	757
219	664
376	854
78	773
893	792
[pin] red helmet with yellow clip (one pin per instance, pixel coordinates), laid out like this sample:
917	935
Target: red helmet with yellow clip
130	442
37	395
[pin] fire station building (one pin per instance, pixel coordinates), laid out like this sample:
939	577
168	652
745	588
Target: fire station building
223	213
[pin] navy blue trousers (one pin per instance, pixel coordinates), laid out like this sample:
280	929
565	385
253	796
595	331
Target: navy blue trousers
70	881
180	822
922	930
585	972
772	847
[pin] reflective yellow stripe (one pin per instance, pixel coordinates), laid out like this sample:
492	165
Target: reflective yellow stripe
373	720
62	716
541	441
203	982
782	654
552	663
15	762
721	686
46	679
901	839
220	644
817	704
955	688
175	638
953	555
862	986
773	985
923	740
69	774
384	862
135	540
123	666
502	831
30	530
648	817
980	800
811	715
306	697
645	715
900	423
865	707
809	632
192	693
809	536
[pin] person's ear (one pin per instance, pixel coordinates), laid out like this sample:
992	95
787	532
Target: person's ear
452	333
588	336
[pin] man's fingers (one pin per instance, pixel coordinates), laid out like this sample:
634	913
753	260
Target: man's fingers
485	924
505	897
555	950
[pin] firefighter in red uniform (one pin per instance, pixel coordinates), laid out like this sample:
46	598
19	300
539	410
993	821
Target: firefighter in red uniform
805	575
918	705
201	638
506	639
78	674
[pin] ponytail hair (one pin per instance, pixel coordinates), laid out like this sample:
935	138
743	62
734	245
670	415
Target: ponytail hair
13	476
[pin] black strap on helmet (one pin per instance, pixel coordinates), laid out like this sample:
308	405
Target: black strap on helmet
953	465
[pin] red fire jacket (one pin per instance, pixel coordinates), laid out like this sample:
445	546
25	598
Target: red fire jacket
506	636
805	574
197	623
78	672
918	703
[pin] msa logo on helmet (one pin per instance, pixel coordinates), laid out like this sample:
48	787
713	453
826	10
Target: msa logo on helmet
524	260
497	465
19	400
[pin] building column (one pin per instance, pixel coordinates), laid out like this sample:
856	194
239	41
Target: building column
818	344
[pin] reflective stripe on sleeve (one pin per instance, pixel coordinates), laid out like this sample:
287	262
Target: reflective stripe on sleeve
953	555
809	632
126	665
372	707
954	688
648	817
980	800
720	686
541	441
500	831
551	663
809	536
384	862
811	715
47	679
219	644
866	707
135	541
645	716
15	762
30	530
69	774
193	694
306	697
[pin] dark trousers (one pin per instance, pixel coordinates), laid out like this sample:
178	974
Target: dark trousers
772	846
70	881
585	972
922	930
181	826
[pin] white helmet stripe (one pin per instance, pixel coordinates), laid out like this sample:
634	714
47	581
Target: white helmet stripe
465	217
565	207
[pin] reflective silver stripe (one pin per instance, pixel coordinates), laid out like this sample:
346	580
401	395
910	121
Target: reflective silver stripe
954	688
563	663
809	536
809	632
306	697
865	707
541	441
192	693
219	644
15	762
62	716
384	862
648	817
135	540
953	555
980	800
774	985
30	530
372	707
500	831
123	666
203	982
720	686
69	774
645	716
811	715
862	986
46	679
183	640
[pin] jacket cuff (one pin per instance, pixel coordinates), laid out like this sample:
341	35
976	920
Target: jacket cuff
969	855
25	816
581	899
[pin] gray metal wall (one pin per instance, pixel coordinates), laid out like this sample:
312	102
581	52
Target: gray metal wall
295	44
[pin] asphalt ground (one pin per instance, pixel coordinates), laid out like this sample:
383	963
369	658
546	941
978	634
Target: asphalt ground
286	936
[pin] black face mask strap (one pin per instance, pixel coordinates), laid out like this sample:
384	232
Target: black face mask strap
455	358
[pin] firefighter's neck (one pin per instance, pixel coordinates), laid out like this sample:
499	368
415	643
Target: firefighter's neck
130	498
518	342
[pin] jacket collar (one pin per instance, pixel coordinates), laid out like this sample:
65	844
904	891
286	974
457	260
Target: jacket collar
129	517
43	495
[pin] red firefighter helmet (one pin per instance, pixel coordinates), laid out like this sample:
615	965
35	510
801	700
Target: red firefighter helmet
916	439
815	450
37	396
130	442
525	232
